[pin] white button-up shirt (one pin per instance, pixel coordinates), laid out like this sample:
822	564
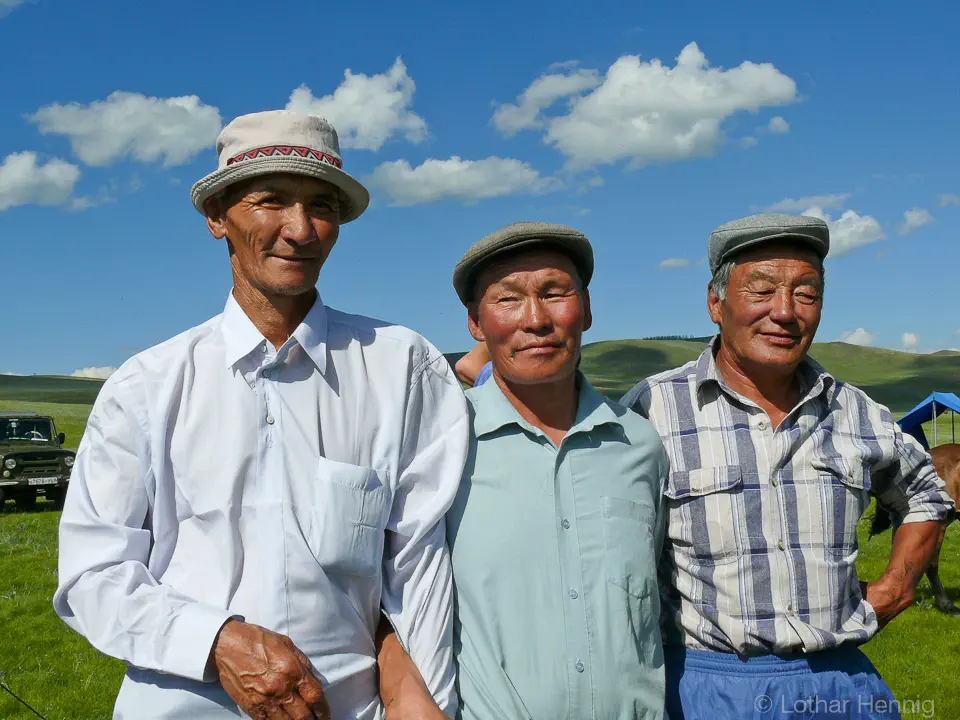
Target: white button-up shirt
299	488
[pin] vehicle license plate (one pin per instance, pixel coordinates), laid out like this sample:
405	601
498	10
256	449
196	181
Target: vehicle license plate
43	481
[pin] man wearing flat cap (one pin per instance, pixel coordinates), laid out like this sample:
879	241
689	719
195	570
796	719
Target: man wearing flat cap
772	463
250	494
554	532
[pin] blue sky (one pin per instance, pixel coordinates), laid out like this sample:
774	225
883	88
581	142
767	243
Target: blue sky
644	125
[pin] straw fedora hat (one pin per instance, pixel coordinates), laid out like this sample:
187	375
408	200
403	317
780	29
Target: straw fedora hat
281	141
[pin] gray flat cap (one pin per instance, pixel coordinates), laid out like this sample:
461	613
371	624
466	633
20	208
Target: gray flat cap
522	236
740	234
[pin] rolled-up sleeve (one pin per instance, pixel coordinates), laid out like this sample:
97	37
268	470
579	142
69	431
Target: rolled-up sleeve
418	578
106	591
909	486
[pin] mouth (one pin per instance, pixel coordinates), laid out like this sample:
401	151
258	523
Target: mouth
783	339
540	349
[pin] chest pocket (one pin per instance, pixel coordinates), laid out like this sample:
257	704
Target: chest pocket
844	495
705	514
629	560
351	507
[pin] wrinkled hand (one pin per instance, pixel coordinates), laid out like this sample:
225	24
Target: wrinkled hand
888	599
266	675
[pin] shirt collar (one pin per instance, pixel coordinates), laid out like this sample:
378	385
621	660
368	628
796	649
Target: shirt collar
493	410
241	336
814	378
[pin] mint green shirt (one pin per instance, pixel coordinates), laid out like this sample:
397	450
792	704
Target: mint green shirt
554	562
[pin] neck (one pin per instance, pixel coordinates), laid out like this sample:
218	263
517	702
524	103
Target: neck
275	316
550	406
768	387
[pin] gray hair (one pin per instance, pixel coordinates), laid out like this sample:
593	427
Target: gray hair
721	278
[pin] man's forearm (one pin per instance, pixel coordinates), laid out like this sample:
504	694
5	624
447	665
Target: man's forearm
402	689
913	547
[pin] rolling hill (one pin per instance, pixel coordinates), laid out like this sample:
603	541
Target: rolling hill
896	379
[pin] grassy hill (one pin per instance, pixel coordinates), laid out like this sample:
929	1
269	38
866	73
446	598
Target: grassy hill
896	379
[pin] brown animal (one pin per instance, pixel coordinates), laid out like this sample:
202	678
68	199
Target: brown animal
946	459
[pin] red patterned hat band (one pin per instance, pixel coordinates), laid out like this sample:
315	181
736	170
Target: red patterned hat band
286	151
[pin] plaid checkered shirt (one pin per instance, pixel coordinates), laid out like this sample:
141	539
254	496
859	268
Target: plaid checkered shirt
761	547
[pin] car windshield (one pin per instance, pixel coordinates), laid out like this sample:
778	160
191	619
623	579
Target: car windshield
25	429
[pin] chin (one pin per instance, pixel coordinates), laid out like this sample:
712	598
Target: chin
536	373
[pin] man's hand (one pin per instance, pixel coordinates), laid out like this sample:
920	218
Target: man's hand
404	694
266	675
913	547
888	597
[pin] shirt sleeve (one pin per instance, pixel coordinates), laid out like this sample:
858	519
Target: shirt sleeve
909	486
638	399
105	590
418	578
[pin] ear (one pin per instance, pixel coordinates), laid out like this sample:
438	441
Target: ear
714	305
473	323
587	313
216	218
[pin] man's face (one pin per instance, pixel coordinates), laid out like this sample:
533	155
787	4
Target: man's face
531	313
280	228
773	305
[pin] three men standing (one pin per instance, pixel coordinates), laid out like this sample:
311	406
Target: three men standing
249	495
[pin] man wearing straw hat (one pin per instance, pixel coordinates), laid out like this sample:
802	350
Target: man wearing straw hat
249	494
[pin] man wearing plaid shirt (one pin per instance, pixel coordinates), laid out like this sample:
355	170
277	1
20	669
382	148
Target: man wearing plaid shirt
772	465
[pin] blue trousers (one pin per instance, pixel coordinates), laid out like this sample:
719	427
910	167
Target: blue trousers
834	684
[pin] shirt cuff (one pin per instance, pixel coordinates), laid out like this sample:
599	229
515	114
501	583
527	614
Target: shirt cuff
190	640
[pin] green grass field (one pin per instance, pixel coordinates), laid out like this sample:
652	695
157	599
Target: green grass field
57	672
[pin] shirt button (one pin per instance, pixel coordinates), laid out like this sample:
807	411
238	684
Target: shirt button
789	609
781	545
762	424
774	482
269	419
266	373
565	524
573	594
579	666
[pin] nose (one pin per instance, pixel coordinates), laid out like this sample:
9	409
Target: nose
297	227
783	310
536	319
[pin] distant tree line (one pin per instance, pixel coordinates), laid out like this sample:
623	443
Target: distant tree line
688	338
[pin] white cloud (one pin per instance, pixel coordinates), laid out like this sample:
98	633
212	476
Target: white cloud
748	141
644	111
860	336
7	6
133	125
24	180
367	110
458	179
849	231
542	94
825	202
101	373
910	341
948	199
914	219
674	263
778	125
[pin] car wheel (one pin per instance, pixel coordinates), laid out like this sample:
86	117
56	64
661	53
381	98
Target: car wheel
27	502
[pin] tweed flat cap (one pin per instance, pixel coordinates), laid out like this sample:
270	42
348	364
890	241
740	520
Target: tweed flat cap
740	234
522	236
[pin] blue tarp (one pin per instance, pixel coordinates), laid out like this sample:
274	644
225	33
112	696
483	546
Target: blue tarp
911	422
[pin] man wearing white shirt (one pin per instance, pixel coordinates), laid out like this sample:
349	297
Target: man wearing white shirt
250	494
